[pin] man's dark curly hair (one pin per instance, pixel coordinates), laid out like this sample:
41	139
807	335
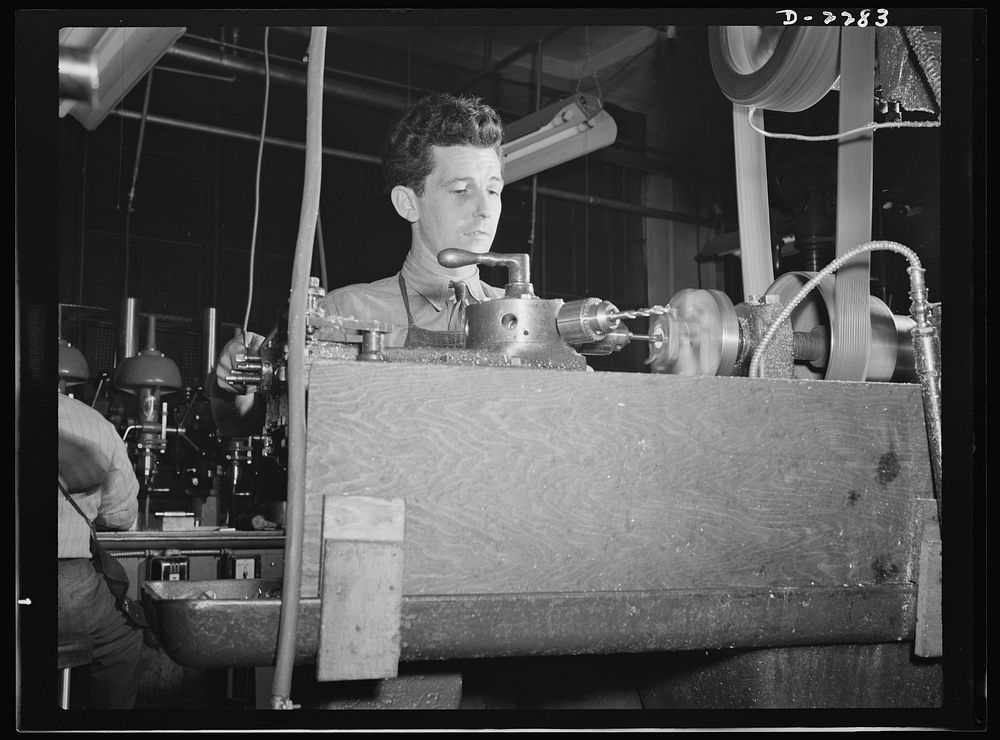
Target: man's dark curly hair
437	120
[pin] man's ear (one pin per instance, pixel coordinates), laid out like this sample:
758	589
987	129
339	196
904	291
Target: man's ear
404	200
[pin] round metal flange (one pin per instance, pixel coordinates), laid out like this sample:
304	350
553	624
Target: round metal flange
701	335
892	347
813	311
891	354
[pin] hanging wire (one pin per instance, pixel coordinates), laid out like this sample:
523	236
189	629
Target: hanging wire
586	63
614	77
534	178
135	177
586	165
409	48
121	127
256	208
593	72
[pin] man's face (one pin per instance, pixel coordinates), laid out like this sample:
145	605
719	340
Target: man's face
460	205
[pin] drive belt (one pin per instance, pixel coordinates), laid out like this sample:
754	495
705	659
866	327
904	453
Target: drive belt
790	70
782	69
850	331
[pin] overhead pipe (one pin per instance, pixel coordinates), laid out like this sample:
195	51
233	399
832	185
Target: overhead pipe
617	205
363	96
374	160
233	134
424	60
395	103
335	70
279	73
512	57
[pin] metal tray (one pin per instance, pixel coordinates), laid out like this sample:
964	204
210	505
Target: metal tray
228	623
232	623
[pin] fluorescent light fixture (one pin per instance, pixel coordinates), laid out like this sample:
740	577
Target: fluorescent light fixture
101	65
564	130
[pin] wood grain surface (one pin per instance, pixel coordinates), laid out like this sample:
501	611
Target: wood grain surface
526	481
362	588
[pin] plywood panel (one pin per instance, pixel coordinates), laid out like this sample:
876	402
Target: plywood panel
526	481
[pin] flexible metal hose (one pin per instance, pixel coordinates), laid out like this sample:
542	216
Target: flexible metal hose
924	335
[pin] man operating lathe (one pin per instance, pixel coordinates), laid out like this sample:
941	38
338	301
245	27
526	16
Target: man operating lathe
443	166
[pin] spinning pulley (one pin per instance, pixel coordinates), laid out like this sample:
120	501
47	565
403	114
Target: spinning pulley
704	333
790	69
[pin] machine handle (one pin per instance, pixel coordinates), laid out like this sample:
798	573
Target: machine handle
518	271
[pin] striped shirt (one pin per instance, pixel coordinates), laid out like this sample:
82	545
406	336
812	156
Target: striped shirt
95	468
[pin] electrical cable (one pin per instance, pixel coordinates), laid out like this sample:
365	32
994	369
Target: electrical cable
256	207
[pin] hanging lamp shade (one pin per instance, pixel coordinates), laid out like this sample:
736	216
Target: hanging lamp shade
148	369
73	366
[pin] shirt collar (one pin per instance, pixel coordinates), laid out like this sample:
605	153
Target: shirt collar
435	288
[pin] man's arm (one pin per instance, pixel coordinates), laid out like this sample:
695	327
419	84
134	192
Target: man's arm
120	493
93	459
333	307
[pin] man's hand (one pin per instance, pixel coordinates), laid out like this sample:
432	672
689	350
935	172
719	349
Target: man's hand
235	348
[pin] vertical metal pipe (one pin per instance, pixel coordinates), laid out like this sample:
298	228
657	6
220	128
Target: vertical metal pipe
295	509
151	332
129	341
209	334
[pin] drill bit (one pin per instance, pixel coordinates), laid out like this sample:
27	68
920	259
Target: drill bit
651	311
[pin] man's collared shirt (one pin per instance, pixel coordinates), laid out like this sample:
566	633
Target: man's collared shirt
112	503
430	297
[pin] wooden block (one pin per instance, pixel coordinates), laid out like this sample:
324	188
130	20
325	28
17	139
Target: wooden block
929	642
362	588
534	481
